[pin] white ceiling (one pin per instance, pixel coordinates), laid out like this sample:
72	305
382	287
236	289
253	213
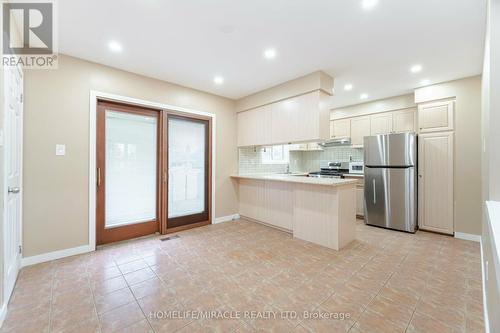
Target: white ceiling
190	41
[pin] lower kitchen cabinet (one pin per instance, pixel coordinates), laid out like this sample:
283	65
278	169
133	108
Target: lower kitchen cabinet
270	202
317	211
279	204
360	205
360	195
251	199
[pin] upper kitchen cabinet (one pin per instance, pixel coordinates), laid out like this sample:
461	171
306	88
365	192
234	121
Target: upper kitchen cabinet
340	128
285	120
254	126
435	117
381	123
297	119
360	127
404	121
244	126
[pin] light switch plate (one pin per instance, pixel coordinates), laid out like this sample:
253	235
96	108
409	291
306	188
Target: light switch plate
60	150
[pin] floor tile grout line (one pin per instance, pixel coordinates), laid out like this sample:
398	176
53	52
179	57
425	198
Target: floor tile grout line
378	292
161	280
51	301
94	305
137	302
409	322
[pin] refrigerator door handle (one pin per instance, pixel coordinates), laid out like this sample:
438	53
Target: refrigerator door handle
374	193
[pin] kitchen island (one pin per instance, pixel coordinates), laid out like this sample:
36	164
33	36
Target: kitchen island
318	210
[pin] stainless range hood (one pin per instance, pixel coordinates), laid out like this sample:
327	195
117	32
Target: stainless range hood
336	142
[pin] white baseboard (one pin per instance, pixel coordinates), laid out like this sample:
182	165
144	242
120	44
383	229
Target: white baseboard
55	255
3	313
227	218
470	237
87	248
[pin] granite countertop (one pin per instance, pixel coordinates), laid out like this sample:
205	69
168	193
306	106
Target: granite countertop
298	178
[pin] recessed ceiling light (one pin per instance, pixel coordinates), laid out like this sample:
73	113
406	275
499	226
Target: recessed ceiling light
425	82
115	46
416	68
218	80
348	87
368	4
363	96
270	53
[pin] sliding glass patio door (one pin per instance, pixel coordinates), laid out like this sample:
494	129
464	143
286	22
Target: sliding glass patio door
153	171
127	172
188	162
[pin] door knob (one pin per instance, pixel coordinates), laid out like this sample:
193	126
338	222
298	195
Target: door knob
13	189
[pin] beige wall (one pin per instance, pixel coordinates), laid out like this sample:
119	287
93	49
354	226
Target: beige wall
468	145
383	105
57	111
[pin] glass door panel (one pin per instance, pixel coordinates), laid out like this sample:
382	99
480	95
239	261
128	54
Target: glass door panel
130	168
187	171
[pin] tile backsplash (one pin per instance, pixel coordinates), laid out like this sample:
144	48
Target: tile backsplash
300	161
250	161
314	160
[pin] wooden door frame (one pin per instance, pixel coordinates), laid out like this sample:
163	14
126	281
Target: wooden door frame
133	230
98	95
164	229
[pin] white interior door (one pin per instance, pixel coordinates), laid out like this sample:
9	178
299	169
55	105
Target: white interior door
13	129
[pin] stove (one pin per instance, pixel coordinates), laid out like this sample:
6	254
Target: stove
332	170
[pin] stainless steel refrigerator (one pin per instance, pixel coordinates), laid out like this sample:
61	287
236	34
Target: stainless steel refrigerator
390	181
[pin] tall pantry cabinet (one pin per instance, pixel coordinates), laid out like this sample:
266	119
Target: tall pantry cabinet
436	166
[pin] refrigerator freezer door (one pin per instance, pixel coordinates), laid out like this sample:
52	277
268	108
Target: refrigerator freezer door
390	200
390	150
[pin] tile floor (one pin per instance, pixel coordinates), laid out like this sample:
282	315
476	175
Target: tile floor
386	281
